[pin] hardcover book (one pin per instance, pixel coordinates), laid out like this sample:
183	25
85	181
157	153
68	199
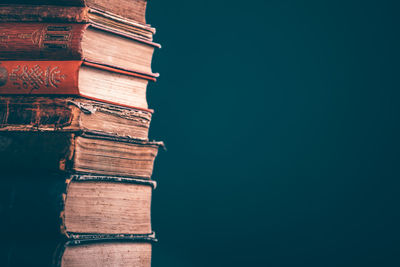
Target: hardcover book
75	41
131	9
54	220
105	251
69	114
78	78
84	153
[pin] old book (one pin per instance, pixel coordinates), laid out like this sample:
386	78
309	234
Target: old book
84	153
74	206
75	41
111	252
107	254
131	9
85	79
114	252
68	114
67	216
60	14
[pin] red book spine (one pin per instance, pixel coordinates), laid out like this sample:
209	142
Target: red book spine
42	13
51	41
39	77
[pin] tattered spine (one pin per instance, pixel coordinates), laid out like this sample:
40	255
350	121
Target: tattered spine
68	114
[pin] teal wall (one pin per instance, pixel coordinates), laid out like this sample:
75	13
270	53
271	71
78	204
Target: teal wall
281	120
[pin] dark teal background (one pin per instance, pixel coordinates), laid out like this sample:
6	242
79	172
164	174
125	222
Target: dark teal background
281	120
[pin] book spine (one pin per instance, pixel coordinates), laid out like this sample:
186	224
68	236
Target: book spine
28	152
38	13
31	205
55	41
69	114
39	77
30	113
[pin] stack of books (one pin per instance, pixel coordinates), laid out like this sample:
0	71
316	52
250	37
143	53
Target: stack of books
76	162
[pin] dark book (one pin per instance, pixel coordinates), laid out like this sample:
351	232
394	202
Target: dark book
110	251
62	220
68	114
84	153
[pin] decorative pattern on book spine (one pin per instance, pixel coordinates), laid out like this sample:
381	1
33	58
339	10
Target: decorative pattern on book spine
39	77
